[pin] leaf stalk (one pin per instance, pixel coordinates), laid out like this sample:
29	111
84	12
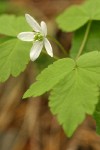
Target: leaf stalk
84	39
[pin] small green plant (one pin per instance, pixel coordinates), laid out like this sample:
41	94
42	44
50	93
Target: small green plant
74	82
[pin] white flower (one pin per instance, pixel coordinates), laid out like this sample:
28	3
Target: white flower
38	36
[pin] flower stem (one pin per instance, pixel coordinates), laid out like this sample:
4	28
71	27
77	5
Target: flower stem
84	39
58	43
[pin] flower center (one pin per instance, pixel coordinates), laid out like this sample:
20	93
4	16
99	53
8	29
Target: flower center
38	37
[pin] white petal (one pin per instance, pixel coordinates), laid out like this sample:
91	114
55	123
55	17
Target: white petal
26	36
36	50
44	27
33	23
48	47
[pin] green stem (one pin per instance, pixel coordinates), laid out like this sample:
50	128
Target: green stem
57	42
84	39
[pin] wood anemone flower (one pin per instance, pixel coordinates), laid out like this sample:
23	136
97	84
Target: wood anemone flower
38	36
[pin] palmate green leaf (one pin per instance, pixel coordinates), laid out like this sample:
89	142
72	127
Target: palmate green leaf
76	16
72	99
50	77
77	94
72	19
14	56
11	25
92	8
90	61
92	41
74	87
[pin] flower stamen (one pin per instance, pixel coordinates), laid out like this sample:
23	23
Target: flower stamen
38	37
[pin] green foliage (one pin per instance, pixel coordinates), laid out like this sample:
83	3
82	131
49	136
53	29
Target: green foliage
11	25
50	77
4	39
74	86
96	116
92	8
72	99
14	56
3	7
43	61
72	19
76	16
93	41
